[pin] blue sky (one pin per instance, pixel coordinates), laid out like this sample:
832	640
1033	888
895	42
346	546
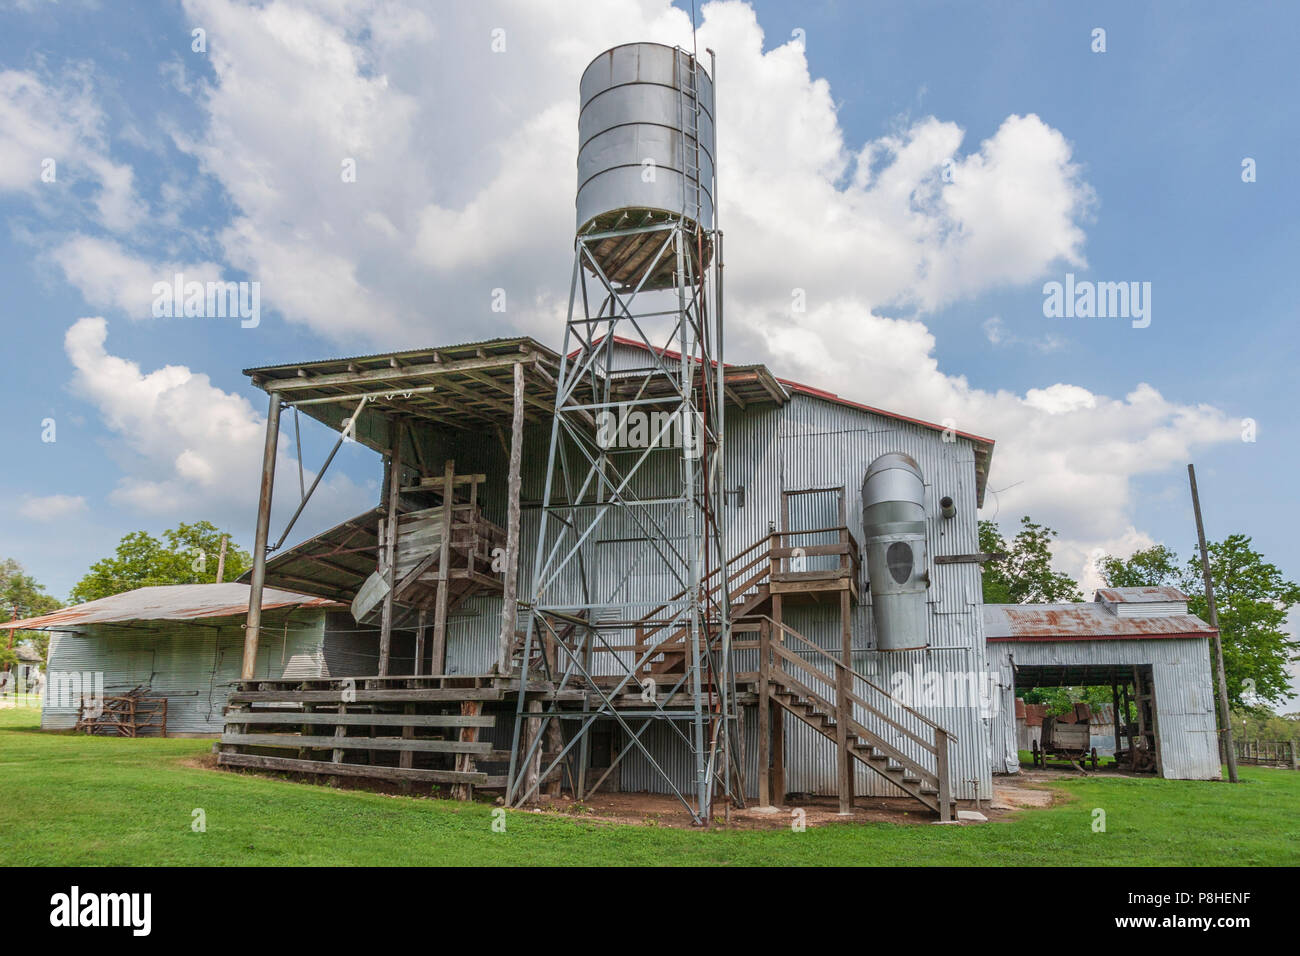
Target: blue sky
1122	166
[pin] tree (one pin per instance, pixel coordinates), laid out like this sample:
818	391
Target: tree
1252	598
187	555
1156	566
1061	700
20	597
1025	575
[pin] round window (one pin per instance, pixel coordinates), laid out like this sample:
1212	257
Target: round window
899	559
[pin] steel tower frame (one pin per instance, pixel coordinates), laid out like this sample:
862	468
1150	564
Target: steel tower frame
684	341
683	380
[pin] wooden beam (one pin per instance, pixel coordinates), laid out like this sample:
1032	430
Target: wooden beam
439	663
390	374
510	586
260	536
357	743
390	550
547	408
328	767
263	717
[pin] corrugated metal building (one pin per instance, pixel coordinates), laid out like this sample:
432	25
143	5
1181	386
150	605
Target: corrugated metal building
185	643
1123	632
790	438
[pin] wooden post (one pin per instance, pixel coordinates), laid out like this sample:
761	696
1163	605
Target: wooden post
554	744
406	757
1114	705
764	716
439	662
509	589
844	708
1225	716
535	764
390	548
221	560
778	718
941	766
260	535
420	625
465	762
336	756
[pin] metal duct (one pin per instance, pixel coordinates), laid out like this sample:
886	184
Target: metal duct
893	522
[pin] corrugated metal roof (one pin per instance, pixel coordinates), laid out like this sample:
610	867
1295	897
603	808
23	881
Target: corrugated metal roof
412	355
173	602
1152	595
1087	620
27	654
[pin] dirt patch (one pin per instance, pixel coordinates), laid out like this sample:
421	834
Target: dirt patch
1015	797
660	810
1011	795
204	761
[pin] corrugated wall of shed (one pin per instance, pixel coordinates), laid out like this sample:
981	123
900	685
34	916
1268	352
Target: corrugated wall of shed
1180	669
190	663
1004	737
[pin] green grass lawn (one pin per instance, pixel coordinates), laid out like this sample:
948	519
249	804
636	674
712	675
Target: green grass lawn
89	800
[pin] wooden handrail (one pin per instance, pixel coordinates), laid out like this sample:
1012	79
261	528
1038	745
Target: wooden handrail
838	663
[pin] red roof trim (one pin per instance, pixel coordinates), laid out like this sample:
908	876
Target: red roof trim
814	393
1035	638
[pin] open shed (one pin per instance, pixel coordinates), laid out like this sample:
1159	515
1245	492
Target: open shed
184	643
1142	642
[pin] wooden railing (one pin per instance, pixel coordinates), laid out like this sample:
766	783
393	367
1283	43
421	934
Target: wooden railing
783	548
744	573
780	665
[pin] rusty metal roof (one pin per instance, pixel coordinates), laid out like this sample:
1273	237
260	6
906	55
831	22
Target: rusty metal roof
174	602
1151	595
1084	621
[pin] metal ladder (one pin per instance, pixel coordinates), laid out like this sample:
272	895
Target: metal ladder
688	121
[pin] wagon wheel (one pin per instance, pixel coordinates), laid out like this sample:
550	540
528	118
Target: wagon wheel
1094	758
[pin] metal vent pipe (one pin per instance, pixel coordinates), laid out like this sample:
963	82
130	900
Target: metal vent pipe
893	523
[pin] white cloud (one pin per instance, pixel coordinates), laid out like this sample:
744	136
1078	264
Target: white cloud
187	448
51	507
465	183
109	276
60	121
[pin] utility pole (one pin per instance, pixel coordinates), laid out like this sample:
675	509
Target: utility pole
1225	719
221	561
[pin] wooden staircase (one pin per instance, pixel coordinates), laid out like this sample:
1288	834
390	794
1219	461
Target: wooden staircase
917	765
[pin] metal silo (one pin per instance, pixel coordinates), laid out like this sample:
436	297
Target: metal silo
645	153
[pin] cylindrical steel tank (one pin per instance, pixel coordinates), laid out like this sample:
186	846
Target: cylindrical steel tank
893	524
645	151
